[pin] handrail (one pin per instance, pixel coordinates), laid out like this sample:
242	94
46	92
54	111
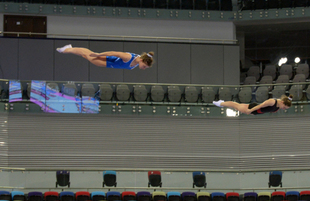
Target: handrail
159	169
170	84
126	38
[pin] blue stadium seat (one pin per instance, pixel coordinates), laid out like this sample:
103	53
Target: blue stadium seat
18	195
113	195
275	178
66	196
97	195
5	195
199	179
292	195
173	196
109	178
218	196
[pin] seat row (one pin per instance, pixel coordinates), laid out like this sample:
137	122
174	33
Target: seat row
272	4
300	92
274	72
179	94
154	177
153	196
162	93
159	4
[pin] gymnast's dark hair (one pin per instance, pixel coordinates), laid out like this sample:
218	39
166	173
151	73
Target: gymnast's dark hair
147	58
287	100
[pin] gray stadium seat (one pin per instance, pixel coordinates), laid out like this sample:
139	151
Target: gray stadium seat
245	94
225	94
105	92
297	92
261	94
242	77
270	70
286	69
88	90
208	94
308	93
122	92
157	93
303	69
267	79
278	91
191	94
174	94
254	71
250	80
300	78
139	92
283	79
69	89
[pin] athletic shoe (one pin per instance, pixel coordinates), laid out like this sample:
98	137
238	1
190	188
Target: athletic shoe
218	103
62	49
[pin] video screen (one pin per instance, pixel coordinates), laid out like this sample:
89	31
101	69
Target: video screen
90	104
49	97
37	93
15	91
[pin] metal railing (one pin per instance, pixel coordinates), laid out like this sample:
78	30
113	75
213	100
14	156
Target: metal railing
123	38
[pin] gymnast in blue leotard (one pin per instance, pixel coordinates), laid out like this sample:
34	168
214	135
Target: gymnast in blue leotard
112	59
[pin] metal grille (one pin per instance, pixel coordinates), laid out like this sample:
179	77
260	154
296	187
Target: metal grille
4	142
96	141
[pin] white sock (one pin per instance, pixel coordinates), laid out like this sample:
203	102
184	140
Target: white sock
62	49
218	103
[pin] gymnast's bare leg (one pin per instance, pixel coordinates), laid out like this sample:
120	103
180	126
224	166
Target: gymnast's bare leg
85	53
237	106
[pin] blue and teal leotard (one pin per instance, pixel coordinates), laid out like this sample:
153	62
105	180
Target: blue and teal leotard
116	62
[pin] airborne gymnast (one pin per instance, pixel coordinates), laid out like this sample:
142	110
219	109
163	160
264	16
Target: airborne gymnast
111	59
270	105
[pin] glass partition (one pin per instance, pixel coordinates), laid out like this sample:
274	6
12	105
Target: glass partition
143	98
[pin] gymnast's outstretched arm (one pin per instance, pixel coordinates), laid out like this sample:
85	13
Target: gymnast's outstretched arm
123	55
266	103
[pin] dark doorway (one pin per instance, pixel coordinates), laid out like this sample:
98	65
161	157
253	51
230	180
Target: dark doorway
20	23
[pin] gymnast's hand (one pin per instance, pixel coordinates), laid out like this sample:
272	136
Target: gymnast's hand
94	55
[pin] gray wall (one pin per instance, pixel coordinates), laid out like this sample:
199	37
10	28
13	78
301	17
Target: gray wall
138	27
182	63
141	27
216	181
